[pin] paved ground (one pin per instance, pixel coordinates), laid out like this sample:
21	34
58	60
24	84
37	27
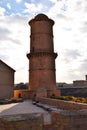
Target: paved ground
24	107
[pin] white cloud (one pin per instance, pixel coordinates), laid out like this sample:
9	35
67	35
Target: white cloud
18	1
54	1
33	8
14	41
70	33
2	11
32	0
8	5
70	38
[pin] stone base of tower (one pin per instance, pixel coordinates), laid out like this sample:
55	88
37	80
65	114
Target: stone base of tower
35	95
47	93
53	92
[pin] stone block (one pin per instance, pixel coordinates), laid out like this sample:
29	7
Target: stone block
22	122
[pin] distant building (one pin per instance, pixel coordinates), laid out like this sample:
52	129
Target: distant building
60	84
80	82
6	81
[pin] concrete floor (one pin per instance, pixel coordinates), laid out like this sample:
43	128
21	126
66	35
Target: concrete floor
24	107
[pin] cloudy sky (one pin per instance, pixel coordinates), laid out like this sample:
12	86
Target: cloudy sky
70	35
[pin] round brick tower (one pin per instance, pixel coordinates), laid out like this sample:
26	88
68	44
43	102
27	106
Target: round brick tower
41	56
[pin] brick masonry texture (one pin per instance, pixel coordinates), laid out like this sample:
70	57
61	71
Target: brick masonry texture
67	105
63	120
69	120
22	122
42	55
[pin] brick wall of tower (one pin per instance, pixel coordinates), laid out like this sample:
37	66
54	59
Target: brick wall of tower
41	36
42	61
44	80
42	72
41	56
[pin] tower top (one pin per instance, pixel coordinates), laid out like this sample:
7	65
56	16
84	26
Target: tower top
41	17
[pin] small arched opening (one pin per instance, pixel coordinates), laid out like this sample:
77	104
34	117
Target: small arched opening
19	95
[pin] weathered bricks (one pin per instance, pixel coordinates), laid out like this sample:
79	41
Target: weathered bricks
61	104
22	122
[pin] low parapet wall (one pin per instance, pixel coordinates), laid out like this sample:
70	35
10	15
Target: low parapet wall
25	94
22	122
67	105
69	120
61	120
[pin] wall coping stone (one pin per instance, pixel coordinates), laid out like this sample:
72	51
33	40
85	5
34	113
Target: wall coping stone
21	117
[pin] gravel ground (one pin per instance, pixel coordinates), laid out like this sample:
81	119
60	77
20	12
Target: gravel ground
24	107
